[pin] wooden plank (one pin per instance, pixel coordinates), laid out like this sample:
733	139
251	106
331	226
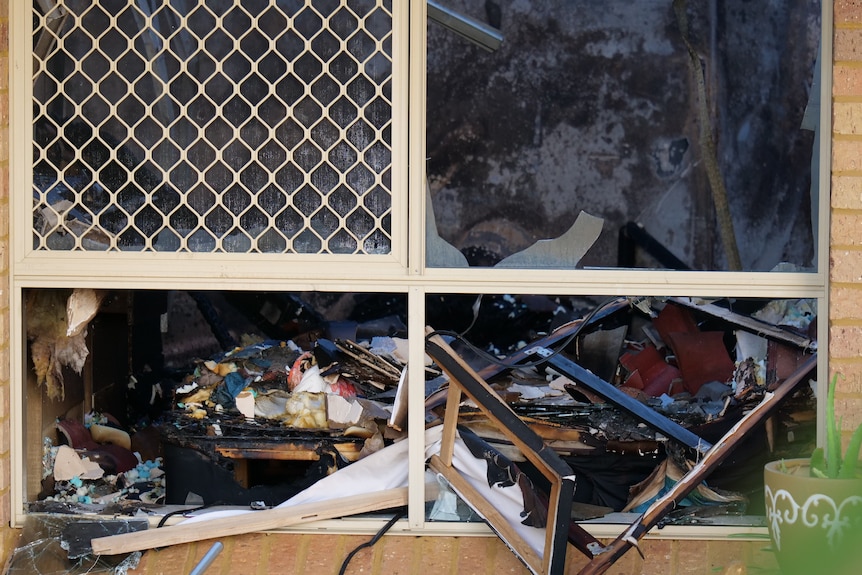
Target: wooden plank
251	522
748	323
274	452
450	424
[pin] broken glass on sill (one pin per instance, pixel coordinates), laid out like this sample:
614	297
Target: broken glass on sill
43	550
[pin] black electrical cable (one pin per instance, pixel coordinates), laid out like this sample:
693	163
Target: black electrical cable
372	541
183	511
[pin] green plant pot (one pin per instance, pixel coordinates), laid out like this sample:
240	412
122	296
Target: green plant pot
815	524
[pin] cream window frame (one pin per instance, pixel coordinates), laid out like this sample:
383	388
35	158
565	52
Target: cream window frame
402	271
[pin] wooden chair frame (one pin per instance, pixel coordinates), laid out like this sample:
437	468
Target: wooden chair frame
463	380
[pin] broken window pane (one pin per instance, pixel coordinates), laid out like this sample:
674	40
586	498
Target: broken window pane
630	392
595	108
44	548
247	398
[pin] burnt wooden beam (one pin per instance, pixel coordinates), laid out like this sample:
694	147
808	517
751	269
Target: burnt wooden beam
668	502
619	399
748	323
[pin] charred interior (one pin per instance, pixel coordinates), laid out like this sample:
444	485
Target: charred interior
145	399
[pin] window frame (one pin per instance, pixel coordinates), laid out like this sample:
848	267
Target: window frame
402	271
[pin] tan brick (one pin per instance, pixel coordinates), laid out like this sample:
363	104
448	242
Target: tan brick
847	12
4	265
196	553
4	405
848	411
845	266
846	118
845	230
250	554
475	555
4	219
5	438
4	329
847	79
846	155
4	73
658	553
504	562
438	556
4	143
688	558
326	553
845	341
849	375
4	182
759	557
171	559
398	555
717	556
848	45
847	192
845	302
5	530
5	473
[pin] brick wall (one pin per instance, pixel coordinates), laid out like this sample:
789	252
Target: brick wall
845	295
7	536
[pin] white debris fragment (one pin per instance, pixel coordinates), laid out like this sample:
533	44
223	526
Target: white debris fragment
68	464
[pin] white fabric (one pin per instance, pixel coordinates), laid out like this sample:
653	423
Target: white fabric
387	469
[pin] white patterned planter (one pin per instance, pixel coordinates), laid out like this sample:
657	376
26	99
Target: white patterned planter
814	523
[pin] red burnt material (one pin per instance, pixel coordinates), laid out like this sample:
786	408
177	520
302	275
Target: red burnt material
650	372
112	458
702	357
674	319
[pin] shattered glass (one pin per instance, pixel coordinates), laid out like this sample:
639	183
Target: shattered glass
41	552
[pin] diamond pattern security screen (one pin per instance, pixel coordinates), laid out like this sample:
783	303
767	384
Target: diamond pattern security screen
246	126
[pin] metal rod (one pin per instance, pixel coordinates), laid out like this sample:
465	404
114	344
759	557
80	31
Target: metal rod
207	559
611	393
477	32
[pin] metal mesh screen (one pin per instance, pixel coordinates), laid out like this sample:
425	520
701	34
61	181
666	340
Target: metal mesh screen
248	126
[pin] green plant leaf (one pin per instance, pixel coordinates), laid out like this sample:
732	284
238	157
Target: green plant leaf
818	462
851	459
833	436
